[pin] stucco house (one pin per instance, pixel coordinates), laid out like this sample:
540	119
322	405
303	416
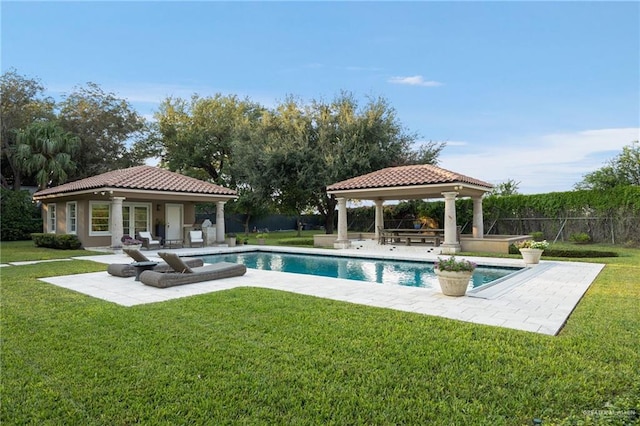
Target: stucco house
103	208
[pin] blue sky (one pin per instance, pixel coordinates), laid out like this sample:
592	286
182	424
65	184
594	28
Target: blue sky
537	92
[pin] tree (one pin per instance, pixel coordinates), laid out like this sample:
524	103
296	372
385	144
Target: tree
106	125
196	137
21	103
622	170
309	147
509	187
45	149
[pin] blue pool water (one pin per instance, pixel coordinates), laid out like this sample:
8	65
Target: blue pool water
414	274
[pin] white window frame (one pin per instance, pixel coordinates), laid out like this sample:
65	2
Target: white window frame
92	204
52	219
72	217
132	206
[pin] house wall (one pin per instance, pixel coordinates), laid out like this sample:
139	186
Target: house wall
157	216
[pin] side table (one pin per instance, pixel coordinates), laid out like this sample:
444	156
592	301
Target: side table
143	266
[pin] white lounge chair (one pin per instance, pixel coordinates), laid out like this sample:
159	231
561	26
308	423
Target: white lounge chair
148	241
195	237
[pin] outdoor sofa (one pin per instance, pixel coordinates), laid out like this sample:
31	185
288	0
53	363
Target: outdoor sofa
184	274
126	270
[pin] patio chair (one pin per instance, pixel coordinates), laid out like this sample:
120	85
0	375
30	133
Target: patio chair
126	270
148	241
185	275
195	237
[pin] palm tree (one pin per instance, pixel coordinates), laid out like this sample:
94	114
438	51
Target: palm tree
46	149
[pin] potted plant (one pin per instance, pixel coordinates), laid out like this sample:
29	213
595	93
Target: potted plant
454	275
231	240
131	243
532	250
262	238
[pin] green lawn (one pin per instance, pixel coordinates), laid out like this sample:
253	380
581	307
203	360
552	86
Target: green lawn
256	356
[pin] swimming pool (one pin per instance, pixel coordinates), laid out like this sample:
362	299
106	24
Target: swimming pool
406	273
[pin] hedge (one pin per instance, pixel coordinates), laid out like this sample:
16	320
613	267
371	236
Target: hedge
56	241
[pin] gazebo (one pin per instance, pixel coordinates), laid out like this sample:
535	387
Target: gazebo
422	181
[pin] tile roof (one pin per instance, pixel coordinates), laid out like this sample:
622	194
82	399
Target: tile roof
141	178
421	174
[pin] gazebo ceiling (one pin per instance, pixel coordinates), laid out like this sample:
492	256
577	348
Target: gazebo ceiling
408	182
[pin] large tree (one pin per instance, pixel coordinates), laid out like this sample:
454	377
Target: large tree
312	146
624	169
46	150
197	135
22	102
106	126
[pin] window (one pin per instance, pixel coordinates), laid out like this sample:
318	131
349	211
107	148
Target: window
99	218
51	218
72	218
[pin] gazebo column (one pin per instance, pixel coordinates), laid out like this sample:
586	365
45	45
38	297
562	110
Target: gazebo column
379	221
451	244
117	230
343	238
478	222
220	222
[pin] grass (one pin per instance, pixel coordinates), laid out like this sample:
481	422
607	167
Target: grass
257	356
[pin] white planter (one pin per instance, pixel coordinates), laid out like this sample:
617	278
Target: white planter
531	256
454	283
231	241
133	246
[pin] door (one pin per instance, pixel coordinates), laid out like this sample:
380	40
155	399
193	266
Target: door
174	221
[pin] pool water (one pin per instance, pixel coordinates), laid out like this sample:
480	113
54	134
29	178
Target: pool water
406	273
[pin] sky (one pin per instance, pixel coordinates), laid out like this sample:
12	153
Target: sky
540	93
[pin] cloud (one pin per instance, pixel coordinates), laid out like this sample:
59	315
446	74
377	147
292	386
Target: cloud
543	163
416	80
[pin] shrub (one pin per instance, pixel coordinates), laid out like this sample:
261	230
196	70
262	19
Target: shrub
537	236
296	241
56	241
580	238
573	253
19	215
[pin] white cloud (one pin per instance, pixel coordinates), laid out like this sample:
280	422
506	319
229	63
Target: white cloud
416	80
544	163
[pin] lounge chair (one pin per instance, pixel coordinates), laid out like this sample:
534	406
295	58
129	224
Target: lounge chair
148	241
195	237
126	270
185	275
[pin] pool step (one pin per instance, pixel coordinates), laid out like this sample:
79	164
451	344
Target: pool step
504	285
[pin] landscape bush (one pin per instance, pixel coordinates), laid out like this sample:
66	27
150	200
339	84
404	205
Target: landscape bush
296	241
572	253
19	216
56	241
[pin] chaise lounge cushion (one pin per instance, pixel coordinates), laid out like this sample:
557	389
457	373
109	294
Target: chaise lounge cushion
186	275
126	270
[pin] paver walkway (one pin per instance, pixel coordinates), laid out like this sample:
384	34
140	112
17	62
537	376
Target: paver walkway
538	300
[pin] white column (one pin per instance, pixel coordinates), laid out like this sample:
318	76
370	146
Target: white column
379	222
451	244
343	237
220	222
478	222
117	231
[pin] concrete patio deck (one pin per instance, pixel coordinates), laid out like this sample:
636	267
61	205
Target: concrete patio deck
539	299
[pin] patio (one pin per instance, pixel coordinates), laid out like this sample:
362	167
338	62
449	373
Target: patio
539	299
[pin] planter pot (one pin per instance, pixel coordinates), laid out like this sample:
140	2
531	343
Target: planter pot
453	283
231	242
531	256
133	246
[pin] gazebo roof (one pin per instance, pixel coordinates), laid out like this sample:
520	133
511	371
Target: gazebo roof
139	179
409	182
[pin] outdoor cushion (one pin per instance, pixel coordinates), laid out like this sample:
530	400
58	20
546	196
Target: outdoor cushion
187	275
195	237
126	270
147	239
